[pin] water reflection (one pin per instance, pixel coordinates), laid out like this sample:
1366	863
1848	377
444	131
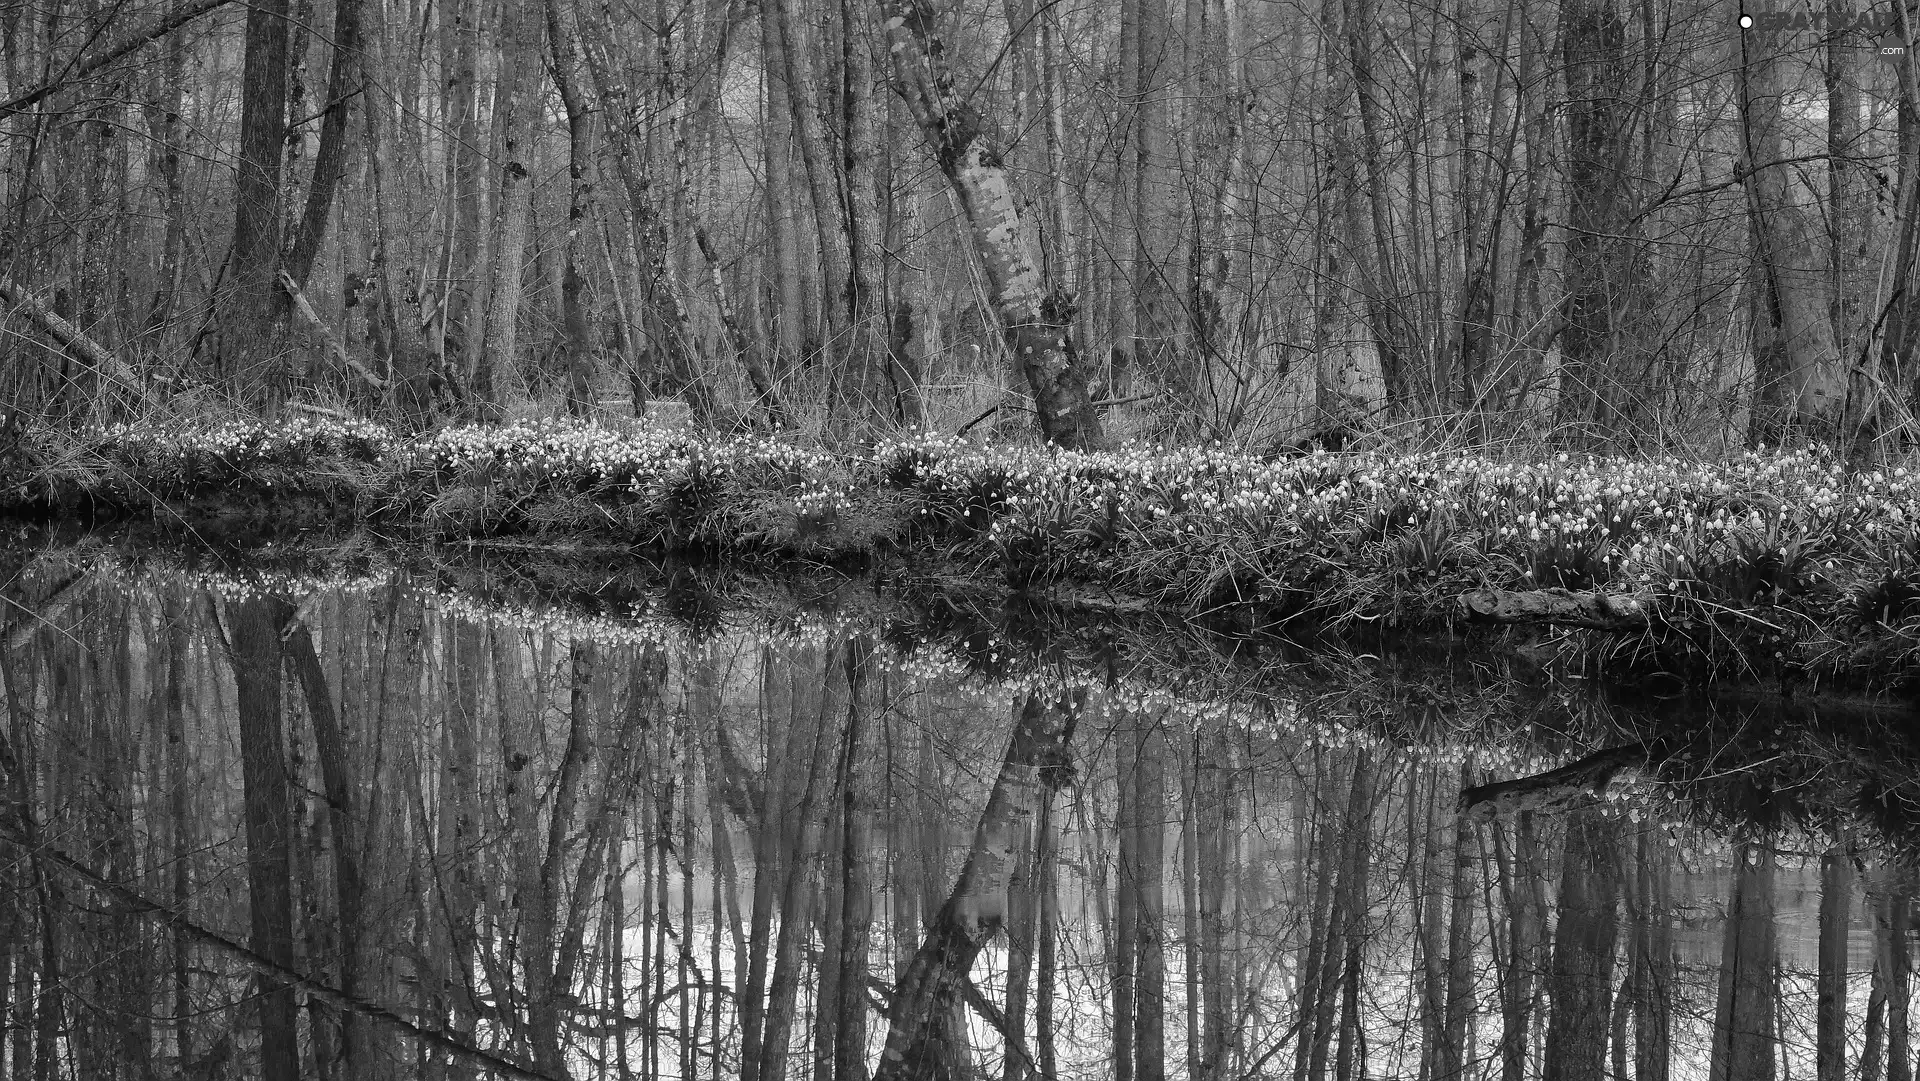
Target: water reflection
374	830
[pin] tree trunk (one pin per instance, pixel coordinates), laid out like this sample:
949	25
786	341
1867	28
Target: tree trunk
1149	882
793	333
539	934
1215	828
516	107
344	813
330	160
1125	958
576	339
1897	355
1848	188
1652	962
1035	314
1046	873
856	887
457	342
1157	210
870	367
1892	929
798	41
1379	274
249	350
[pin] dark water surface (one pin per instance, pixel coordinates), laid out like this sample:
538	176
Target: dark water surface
502	820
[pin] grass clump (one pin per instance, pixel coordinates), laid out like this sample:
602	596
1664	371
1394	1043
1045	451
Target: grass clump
651	488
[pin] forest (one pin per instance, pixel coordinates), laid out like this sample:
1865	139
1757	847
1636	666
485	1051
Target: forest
1619	226
1066	540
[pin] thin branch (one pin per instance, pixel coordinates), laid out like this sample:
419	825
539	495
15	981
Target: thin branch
22	833
77	69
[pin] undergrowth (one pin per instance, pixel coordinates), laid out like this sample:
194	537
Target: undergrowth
1780	563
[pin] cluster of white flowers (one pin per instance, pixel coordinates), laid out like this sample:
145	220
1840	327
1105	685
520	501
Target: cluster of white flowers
1614	511
553	449
240	443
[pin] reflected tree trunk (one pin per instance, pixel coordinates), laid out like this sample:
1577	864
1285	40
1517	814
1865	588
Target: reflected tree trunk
1744	1029
1894	959
1581	980
1126	904
1830	1021
1215	826
1346	937
1046	875
1651	960
1149	826
254	627
920	1013
336	773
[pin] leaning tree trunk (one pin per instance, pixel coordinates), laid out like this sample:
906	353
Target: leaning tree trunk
1036	314
330	161
919	1015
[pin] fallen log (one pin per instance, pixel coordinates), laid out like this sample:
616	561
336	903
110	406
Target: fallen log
1571	786
72	338
1561	607
76	69
325	333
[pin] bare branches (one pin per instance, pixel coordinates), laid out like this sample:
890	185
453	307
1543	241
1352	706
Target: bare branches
77	69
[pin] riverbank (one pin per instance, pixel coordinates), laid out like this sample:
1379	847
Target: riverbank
1777	565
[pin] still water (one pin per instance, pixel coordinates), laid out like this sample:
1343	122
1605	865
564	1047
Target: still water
492	820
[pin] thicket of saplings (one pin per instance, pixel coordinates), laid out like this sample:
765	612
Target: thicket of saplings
1762	562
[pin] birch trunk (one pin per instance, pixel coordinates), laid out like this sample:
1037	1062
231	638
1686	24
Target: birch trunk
920	1010
1036	315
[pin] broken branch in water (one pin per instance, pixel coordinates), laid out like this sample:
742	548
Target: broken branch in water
1563	607
1573	785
